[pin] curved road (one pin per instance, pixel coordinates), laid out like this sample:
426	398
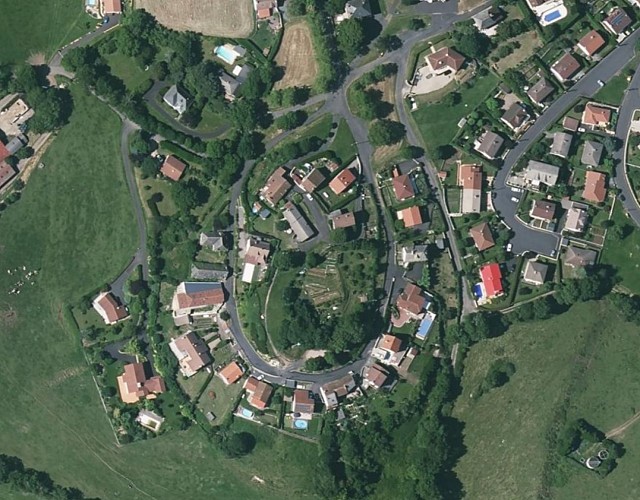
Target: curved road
630	103
527	238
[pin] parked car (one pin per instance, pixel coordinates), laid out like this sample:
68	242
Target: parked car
516	190
515	200
509	247
601	83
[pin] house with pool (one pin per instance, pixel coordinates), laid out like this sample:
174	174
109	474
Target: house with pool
548	11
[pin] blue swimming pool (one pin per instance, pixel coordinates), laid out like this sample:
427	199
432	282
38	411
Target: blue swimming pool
477	291
301	424
425	326
552	16
246	413
224	54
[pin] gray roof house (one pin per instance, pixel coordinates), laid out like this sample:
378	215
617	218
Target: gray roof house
579	257
203	271
356	9
540	91
592	153
17	143
486	19
413	253
230	86
299	225
538	173
175	100
535	273
516	117
212	241
489	144
576	221
561	144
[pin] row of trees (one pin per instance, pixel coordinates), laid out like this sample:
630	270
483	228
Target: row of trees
31	481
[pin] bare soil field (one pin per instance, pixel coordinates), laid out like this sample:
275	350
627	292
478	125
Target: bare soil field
296	56
226	18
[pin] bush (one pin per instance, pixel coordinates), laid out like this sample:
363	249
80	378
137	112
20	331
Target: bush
238	444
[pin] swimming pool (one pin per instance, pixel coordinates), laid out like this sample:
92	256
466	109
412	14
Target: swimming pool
301	424
246	413
225	54
552	16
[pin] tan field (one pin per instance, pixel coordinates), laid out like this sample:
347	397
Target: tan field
227	18
297	57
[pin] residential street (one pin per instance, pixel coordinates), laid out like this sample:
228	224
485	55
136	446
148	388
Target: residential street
527	238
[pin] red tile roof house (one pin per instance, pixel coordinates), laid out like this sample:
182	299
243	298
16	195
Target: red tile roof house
591	43
6	172
264	7
403	187
412	304
388	350
410	216
192	353
595	187
303	404
374	376
617	21
565	67
342	220
343	181
173	168
444	60
196	299
108	307
277	187
134	385
111	7
258	392
231	373
482	237
595	116
4	152
470	179
491	281
543	210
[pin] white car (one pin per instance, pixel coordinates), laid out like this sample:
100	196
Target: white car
509	247
516	190
309	197
515	200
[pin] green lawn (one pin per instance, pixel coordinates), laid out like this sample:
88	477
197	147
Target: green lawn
34	26
275	308
613	92
570	356
343	142
127	69
624	255
75	223
438	123
219	399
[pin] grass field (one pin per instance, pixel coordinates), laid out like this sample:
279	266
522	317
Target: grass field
275	308
296	56
343	142
127	69
40	26
613	91
624	255
570	356
209	17
74	222
438	123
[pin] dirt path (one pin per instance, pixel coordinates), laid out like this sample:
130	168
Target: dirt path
617	431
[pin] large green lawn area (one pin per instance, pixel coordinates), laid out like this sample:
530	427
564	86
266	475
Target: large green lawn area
75	223
569	365
624	254
31	26
438	123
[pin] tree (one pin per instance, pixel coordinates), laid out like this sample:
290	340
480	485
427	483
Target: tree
386	132
248	114
202	80
510	28
351	38
628	306
291	120
388	43
238	444
53	108
367	103
313	259
471	42
190	194
443	152
451	99
415	24
296	7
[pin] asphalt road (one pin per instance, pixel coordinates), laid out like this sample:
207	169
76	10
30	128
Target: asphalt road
527	238
630	103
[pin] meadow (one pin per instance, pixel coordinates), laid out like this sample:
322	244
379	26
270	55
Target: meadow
51	24
566	368
75	224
